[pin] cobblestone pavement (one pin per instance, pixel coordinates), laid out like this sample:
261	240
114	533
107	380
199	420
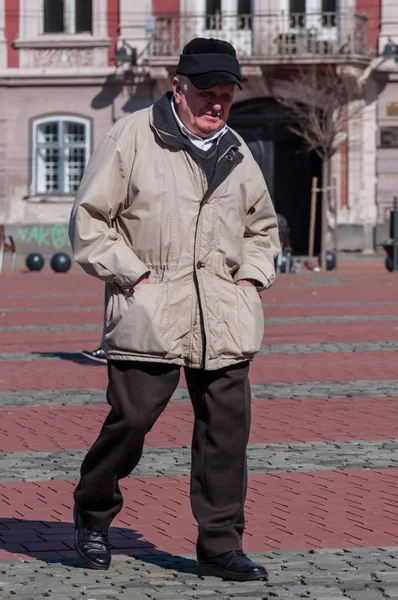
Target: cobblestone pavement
337	389
158	462
322	508
268	321
383	346
318	575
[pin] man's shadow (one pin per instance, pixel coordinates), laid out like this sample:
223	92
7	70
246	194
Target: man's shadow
53	542
75	357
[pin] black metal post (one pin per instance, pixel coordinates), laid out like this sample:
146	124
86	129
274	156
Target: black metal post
395	237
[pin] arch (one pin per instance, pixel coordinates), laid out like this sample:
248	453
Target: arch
287	167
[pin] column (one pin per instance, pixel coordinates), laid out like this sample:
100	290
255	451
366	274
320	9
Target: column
3	41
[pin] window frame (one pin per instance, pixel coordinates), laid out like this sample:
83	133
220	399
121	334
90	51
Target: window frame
70	15
312	18
58	118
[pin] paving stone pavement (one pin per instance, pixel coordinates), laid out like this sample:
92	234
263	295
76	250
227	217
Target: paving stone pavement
46	295
267	321
358	472
36	309
271	349
158	462
55	328
337	389
330	319
351	574
383	346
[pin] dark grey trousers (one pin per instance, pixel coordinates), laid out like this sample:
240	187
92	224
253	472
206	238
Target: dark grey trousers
138	393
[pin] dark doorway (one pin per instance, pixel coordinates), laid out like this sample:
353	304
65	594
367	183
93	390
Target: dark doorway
287	168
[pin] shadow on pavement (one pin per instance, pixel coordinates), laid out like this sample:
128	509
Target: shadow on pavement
75	357
53	542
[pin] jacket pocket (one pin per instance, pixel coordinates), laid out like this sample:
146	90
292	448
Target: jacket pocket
139	321
109	302
251	319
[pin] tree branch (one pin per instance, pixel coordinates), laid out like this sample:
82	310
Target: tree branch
320	106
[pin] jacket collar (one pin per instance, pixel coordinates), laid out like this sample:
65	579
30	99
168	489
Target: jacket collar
167	129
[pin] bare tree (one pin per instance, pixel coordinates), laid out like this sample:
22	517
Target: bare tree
321	103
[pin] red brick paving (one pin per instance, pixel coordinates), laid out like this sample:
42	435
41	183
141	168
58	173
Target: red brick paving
341	366
282	312
302	333
344	366
49	374
332	509
20	302
49	341
380	287
281	421
93	316
20	311
327	333
48	282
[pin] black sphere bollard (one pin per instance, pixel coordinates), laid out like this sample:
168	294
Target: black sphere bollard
389	264
34	261
61	263
330	260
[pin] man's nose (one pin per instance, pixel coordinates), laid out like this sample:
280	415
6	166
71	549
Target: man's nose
216	105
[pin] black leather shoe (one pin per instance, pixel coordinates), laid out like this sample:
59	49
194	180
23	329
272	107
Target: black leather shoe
92	546
234	566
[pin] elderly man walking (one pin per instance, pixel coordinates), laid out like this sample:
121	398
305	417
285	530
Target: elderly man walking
174	215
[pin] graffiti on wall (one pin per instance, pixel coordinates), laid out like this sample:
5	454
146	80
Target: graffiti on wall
54	237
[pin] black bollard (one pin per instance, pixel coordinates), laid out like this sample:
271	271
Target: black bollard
34	261
60	262
395	237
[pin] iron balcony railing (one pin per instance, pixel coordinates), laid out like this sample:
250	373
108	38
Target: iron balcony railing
266	36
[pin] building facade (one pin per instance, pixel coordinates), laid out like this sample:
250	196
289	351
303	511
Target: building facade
69	69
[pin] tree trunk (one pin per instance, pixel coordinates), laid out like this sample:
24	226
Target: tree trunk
325	196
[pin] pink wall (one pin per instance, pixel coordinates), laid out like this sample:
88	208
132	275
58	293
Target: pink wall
12	31
171	7
371	8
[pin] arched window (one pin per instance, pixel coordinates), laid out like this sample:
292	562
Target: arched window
61	149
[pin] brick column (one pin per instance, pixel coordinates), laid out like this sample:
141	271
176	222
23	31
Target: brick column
11	31
113	16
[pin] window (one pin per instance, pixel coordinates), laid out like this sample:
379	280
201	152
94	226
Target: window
312	13
213	6
67	16
213	10
244	7
329	6
61	149
297	13
54	16
329	9
245	14
84	17
297	6
228	15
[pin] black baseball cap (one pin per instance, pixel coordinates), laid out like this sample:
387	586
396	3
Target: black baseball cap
208	62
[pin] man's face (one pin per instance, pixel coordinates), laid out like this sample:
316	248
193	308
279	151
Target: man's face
203	112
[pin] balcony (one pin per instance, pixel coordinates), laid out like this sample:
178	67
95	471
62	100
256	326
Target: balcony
263	38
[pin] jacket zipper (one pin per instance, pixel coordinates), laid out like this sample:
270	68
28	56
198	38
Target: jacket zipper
229	154
205	198
197	286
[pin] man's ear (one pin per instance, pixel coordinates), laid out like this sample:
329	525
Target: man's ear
177	89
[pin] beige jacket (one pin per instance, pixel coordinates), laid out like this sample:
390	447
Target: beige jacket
144	206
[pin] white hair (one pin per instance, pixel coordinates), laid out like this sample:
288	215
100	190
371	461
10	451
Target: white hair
184	82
